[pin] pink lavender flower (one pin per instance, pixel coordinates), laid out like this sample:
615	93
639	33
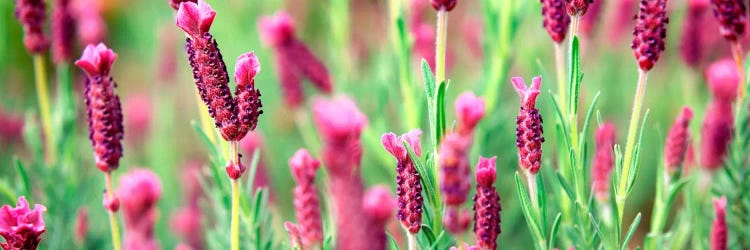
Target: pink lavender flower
408	180
306	203
90	24
424	43
138	117
417	11
691	44
11	129
456	220
650	33
556	20
167	58
340	124
102	106
21	227
577	7
677	141
81	228
455	178
246	95
716	134
63	29
187	222
623	20
723	80
603	160
469	110
473	32
31	14
139	192
529	131
378	205
486	205
732	16
295	241
719	228
294	59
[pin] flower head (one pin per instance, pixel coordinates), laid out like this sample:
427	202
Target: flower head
306	202
716	134
277	29
139	191
650	33
589	21
486	205
446	5
723	80
455	171
339	121
63	29
21	227
469	109
603	160
246	95
691	44
102	106
378	205
529	131
32	14
408	180
138	116
395	144
677	141
732	16
195	18
577	7
719	227
556	20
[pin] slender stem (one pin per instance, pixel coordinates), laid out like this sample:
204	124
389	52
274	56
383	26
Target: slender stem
235	222
532	191
114	227
440	44
40	74
412	241
635	117
561	89
575	21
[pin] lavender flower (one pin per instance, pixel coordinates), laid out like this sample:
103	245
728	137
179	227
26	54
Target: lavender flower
102	106
719	228
589	21
306	203
716	134
486	205
650	33
732	16
455	180
139	191
556	20
409	186
63	29
469	111
603	160
691	43
723	80
246	95
21	227
378	205
529	131
677	141
32	14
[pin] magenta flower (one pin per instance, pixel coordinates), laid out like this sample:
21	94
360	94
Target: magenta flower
556	20
102	106
603	160
691	43
529	131
650	32
187	222
63	29
138	117
623	20
306	202
340	124
32	14
424	43
446	5
456	220
378	205
677	141
21	227
90	24
732	16
246	95
577	7
408	180
719	229
455	180
589	21
175	4
469	110
716	134
294	59
139	192
486	205
723	80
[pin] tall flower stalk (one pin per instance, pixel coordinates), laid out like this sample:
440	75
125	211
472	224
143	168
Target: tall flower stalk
234	116
105	122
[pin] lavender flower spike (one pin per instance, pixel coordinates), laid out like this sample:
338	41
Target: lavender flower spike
677	141
32	14
719	228
486	205
21	227
409	189
650	33
529	131
306	202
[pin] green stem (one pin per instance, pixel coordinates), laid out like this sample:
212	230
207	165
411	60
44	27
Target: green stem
40	74
114	227
560	65
440	44
235	220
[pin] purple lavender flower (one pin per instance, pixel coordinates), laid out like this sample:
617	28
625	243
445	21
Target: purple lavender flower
486	205
529	131
21	227
409	185
32	14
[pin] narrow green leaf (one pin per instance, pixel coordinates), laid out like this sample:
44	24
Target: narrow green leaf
597	228
253	170
565	186
441	123
553	232
589	114
429	80
542	198
631	231
636	157
527	209
24	176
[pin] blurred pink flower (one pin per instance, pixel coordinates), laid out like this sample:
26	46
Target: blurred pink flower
81	226
469	111
138	110
473	32
90	24
379	206
623	20
32	16
556	19
677	141
719	231
21	227
716	134
63	31
11	127
694	32
591	19
187	222
306	201
295	241
603	160
723	80
252	141
140	190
